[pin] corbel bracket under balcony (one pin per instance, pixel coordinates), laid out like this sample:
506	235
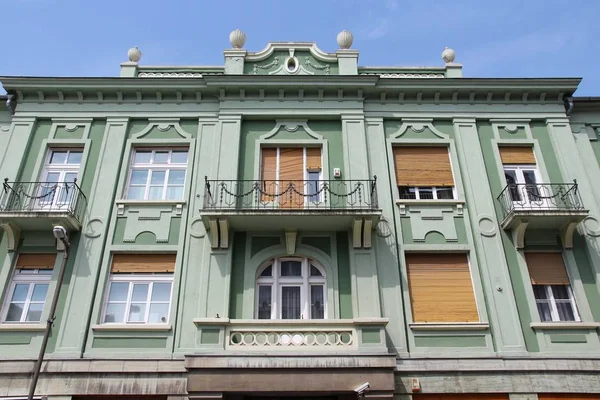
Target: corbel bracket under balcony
13	235
219	233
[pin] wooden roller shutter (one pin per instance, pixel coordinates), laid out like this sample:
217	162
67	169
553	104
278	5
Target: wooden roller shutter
461	396
142	263
546	268
291	171
313	158
517	155
36	261
568	396
268	164
423	166
440	288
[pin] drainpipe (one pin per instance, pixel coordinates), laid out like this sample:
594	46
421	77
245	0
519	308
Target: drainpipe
60	233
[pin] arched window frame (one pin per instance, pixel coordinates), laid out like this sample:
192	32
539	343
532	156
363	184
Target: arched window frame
305	281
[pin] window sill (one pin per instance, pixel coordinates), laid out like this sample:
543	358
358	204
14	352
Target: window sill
445	202
132	327
17	327
564	325
465	326
149	202
291	322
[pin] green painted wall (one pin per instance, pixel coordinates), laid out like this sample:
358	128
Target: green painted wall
450	341
587	276
146	238
345	288
237	275
96	135
266	66
486	135
258	243
40	132
320	242
540	133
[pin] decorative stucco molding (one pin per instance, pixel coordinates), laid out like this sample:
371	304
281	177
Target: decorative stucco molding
169	75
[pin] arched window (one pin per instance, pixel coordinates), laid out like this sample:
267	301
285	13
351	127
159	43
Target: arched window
291	288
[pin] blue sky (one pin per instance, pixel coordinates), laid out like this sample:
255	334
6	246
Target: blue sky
504	38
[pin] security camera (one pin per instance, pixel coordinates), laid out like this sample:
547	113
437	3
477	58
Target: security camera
362	389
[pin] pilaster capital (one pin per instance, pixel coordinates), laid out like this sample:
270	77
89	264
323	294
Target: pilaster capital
464	121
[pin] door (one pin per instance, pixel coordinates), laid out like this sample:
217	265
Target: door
525	189
57	188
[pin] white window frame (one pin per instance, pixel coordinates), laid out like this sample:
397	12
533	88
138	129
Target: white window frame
518	170
434	189
551	301
305	170
158	167
31	277
305	281
138	279
62	169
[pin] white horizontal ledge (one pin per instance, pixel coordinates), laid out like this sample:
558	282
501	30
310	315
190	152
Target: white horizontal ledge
467	326
564	325
132	327
150	202
291	322
23	327
430	202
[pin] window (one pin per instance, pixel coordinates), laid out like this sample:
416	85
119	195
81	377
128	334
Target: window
157	174
423	173
27	292
58	177
522	176
551	287
291	288
291	176
139	289
440	288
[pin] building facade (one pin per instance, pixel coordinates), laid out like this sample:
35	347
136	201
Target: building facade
293	224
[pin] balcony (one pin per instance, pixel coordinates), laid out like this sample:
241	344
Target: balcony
542	206
38	206
324	205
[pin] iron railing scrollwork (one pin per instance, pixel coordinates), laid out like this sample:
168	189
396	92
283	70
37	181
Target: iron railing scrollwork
39	197
540	196
296	194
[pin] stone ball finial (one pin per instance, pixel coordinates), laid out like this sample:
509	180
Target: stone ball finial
237	39
345	39
134	54
448	55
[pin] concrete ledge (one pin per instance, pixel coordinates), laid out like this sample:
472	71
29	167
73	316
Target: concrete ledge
284	361
564	325
149	202
429	202
23	327
132	327
468	326
290	322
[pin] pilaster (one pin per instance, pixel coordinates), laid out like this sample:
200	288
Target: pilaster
356	164
234	61
12	157
129	69
226	154
83	282
347	61
504	320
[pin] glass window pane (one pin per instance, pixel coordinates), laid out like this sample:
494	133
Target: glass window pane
174	193
74	157
115	313
58	157
176	177
291	268
179	157
158	178
139	177
137	312
118	291
317	306
34	314
15	310
314	271
142	157
161	157
544	310
52	177
161	292
539	291
529	176
290	302
264	302
136	192
20	292
70	177
267	271
425	193
39	292
158	314
407	192
140	292
560	292
155	193
511	180
445	193
565	311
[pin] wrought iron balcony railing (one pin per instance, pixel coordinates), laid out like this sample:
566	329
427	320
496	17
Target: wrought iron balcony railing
541	196
290	195
42	197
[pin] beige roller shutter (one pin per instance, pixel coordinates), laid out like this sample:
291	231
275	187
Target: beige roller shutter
36	261
143	263
291	170
517	155
423	166
441	289
313	158
546	268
